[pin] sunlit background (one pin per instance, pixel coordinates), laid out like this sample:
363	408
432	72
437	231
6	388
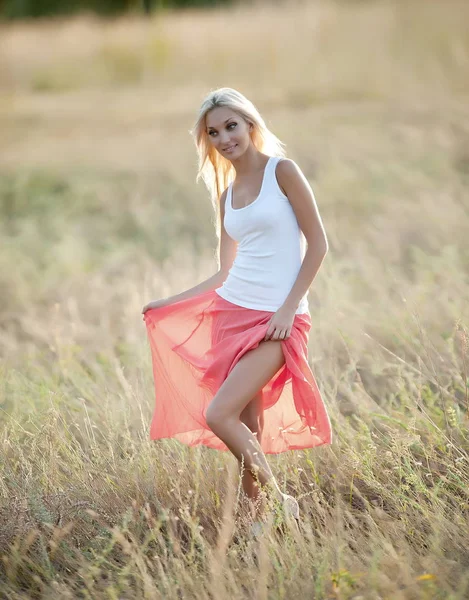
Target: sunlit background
100	214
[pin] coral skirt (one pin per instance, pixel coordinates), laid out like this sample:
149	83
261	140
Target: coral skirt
195	343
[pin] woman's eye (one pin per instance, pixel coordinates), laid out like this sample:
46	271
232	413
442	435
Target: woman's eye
229	125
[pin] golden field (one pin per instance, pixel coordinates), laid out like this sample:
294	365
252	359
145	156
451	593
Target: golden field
100	214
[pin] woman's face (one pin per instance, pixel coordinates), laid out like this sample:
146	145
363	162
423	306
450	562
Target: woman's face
227	132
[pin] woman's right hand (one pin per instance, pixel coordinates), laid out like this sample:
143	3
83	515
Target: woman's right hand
154	304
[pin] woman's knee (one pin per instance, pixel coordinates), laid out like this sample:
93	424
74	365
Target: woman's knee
211	418
215	417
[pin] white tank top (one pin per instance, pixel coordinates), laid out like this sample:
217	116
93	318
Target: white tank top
271	248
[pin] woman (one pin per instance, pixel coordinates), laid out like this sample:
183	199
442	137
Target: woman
230	354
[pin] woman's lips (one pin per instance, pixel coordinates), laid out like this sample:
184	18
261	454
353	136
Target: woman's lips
230	148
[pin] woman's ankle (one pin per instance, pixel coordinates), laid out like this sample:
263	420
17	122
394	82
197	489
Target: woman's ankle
260	505
272	490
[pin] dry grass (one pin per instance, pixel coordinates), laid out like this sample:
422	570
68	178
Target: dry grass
97	181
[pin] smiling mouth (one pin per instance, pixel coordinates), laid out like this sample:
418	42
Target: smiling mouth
230	148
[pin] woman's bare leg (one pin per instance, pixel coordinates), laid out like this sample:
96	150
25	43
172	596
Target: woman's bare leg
248	377
253	417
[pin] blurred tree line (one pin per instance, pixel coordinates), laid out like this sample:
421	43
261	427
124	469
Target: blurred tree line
21	9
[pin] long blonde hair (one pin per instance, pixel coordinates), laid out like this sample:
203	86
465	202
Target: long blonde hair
217	171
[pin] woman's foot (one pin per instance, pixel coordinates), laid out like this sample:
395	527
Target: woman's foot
257	528
291	507
291	510
284	512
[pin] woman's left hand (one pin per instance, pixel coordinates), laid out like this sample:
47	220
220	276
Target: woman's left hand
280	325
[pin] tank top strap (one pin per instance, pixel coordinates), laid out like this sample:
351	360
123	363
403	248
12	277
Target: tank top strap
228	198
270	183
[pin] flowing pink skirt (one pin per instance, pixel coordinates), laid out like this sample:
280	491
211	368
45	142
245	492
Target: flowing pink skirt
195	343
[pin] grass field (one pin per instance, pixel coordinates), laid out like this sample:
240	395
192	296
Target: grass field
97	179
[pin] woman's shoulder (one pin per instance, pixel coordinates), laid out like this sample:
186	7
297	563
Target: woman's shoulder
286	170
286	164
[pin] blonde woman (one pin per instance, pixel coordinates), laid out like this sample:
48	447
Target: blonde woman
230	354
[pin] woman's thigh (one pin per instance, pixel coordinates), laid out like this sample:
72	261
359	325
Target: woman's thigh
246	380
